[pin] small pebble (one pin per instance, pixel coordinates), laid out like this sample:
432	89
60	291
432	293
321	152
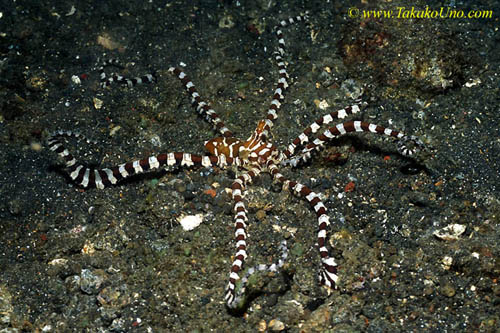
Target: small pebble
276	325
261	214
448	290
97	103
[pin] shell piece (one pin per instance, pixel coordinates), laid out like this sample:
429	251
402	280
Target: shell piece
189	222
97	103
76	79
446	262
450	232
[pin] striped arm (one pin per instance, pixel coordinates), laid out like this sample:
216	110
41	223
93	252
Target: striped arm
303	138
278	96
240	219
130	82
101	178
203	108
328	273
273	268
407	145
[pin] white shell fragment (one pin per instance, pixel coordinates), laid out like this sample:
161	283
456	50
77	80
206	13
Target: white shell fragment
450	232
58	261
97	103
323	105
115	129
189	222
76	79
473	82
71	11
446	262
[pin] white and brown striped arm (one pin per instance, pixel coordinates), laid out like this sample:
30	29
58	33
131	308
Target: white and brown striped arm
408	145
130	82
105	177
304	137
240	233
278	96
203	108
328	272
239	295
